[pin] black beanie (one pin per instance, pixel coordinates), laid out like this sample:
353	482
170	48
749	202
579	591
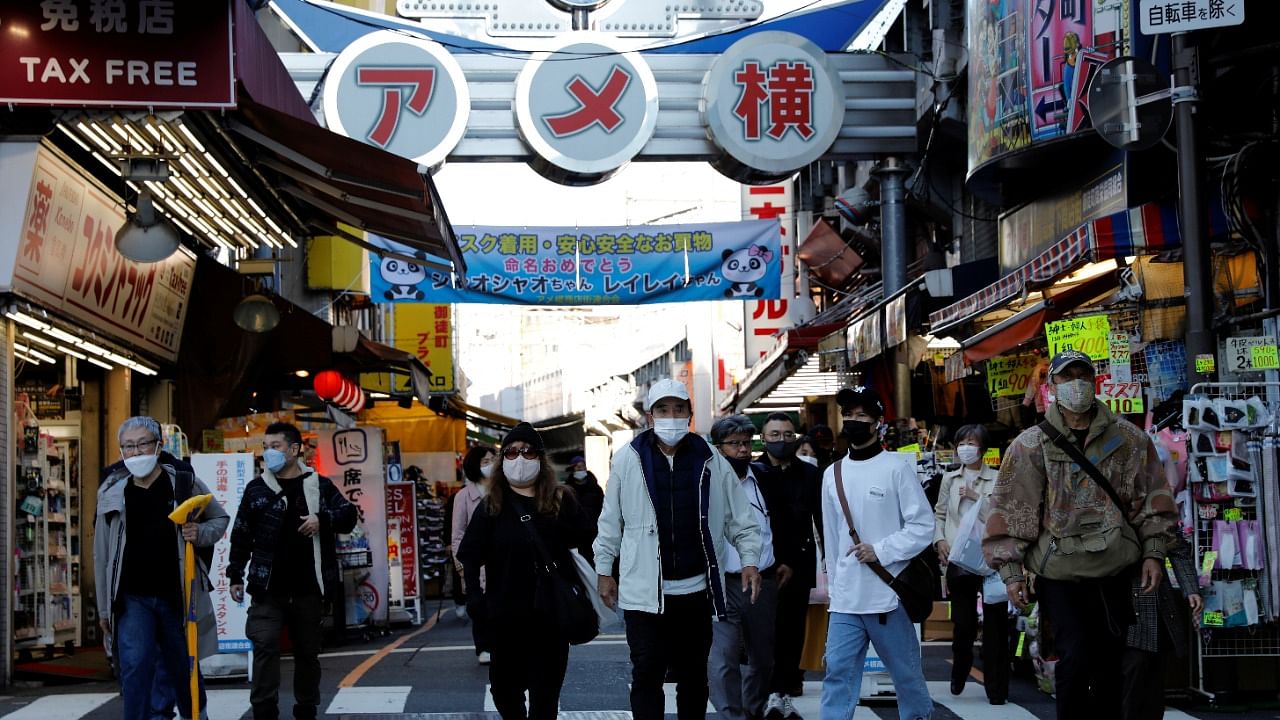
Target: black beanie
523	432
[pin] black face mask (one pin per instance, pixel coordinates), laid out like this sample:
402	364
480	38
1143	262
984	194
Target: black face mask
857	432
739	466
781	449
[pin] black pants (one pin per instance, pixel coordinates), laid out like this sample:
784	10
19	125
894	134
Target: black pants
1089	619
680	638
267	617
527	656
793	609
965	589
1143	684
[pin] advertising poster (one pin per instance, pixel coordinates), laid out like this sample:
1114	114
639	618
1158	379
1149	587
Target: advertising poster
402	550
352	459
226	475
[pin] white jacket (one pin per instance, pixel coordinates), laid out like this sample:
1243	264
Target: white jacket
628	526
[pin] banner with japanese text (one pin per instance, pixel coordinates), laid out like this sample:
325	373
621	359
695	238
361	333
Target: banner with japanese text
353	459
226	475
624	265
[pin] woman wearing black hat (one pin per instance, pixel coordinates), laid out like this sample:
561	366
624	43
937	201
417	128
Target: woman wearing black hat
528	650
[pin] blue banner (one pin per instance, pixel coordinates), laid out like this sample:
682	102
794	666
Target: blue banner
627	265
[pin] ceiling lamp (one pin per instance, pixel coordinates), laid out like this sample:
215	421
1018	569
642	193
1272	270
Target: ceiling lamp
256	313
146	237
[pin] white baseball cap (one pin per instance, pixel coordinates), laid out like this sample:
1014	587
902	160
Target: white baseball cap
665	388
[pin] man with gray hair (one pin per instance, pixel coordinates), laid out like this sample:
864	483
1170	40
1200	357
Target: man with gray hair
739	693
138	554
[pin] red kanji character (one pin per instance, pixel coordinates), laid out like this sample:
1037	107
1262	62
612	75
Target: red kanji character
753	80
38	223
790	99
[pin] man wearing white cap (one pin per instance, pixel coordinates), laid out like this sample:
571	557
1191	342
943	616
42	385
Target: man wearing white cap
669	507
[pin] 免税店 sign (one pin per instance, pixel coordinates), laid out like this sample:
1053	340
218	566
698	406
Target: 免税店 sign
152	53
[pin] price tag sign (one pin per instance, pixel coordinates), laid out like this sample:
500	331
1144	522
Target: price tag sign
1206	566
1119	349
1213	618
1087	334
912	448
1232	514
1124	398
1238	351
1009	376
992	457
1205	364
1022	640
1265	357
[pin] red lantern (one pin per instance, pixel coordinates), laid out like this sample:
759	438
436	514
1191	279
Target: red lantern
347	394
356	405
328	384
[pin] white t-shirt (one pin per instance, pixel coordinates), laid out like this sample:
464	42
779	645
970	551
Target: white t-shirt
733	561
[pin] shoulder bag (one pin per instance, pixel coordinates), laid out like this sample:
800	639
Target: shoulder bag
558	597
914	585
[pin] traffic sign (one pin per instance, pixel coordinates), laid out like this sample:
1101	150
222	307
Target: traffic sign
1159	17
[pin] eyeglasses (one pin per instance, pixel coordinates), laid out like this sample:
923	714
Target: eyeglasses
736	443
528	453
145	446
775	436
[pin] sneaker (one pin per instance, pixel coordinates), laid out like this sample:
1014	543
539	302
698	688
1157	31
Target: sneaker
789	711
773	707
460	612
483	658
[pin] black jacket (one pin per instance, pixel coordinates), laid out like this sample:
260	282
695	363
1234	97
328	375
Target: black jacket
590	495
794	497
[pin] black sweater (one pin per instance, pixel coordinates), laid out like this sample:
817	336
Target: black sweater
501	544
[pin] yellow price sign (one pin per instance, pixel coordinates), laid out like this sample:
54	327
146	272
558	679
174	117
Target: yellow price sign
1265	357
1009	376
1213	618
1232	514
1210	558
912	448
1205	364
992	457
1087	334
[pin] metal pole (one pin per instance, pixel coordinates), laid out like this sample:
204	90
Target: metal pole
893	264
1197	260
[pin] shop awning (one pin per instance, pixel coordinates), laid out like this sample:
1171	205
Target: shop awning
1148	229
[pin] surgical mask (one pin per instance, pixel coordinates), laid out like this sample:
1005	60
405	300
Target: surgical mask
808	459
486	471
671	430
274	459
1075	395
857	432
580	475
141	466
739	465
521	471
968	454
782	449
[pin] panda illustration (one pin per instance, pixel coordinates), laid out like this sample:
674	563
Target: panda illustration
403	276
742	268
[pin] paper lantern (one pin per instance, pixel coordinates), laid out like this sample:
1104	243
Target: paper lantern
328	384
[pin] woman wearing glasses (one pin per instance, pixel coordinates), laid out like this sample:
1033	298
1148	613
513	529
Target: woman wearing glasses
528	651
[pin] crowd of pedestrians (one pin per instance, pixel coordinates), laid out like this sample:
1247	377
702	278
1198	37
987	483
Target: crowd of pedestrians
712	554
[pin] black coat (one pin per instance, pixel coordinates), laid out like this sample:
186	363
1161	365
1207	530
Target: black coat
794	497
590	495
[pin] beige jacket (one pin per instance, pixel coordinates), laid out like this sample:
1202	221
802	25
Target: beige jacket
947	513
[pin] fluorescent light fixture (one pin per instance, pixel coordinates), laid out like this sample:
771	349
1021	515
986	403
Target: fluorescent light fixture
379	395
26	320
215	165
37	338
63	335
95	349
73	353
236	186
84	129
66	131
21	348
191	137
191	167
100	364
31	360
37	354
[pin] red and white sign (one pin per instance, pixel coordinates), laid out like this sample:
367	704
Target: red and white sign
401	515
67	260
764	319
148	53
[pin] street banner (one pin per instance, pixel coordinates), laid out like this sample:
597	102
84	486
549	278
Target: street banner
226	475
352	459
623	265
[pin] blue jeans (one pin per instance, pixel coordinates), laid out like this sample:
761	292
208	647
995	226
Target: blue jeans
899	648
148	633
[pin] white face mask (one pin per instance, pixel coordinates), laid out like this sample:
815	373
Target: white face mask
486	471
580	475
968	454
808	459
671	430
1075	395
521	472
141	466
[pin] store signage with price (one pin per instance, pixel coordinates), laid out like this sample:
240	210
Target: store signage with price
1090	335
1009	376
1124	398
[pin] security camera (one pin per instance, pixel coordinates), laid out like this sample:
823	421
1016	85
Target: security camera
856	206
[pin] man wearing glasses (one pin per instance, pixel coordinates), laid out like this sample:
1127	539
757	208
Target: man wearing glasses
796	516
670	505
138	554
284	532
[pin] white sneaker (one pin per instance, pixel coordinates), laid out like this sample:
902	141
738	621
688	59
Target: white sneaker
773	707
460	612
789	711
483	657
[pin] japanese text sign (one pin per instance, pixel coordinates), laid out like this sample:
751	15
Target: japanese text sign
623	265
1173	16
67	259
1120	351
1124	398
1239	352
402	515
1264	357
352	459
1087	334
1009	376
424	330
148	53
226	476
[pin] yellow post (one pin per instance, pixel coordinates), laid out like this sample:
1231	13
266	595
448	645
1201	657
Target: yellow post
187	512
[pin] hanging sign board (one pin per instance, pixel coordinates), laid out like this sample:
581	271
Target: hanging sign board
352	459
402	539
1240	352
226	475
1009	376
1119	351
1087	334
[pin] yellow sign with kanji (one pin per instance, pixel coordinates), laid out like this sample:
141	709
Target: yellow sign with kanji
1009	376
1087	334
424	330
1264	357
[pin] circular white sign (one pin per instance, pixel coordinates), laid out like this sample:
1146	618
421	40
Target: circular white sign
772	104
404	94
586	109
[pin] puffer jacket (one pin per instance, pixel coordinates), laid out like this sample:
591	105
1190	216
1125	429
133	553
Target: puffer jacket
628	526
109	544
1041	494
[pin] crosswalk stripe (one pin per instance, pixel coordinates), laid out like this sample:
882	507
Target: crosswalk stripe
227	704
809	705
67	706
369	700
972	703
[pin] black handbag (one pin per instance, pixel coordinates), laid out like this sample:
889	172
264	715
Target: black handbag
558	597
914	585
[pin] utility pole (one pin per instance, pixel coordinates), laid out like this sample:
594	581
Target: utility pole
893	264
1197	258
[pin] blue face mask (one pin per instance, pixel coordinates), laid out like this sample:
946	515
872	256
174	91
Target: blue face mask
274	459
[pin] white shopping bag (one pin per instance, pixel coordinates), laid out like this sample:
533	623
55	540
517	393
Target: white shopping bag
994	589
966	552
591	583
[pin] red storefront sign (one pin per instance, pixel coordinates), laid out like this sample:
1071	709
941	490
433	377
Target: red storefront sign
143	53
400	505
